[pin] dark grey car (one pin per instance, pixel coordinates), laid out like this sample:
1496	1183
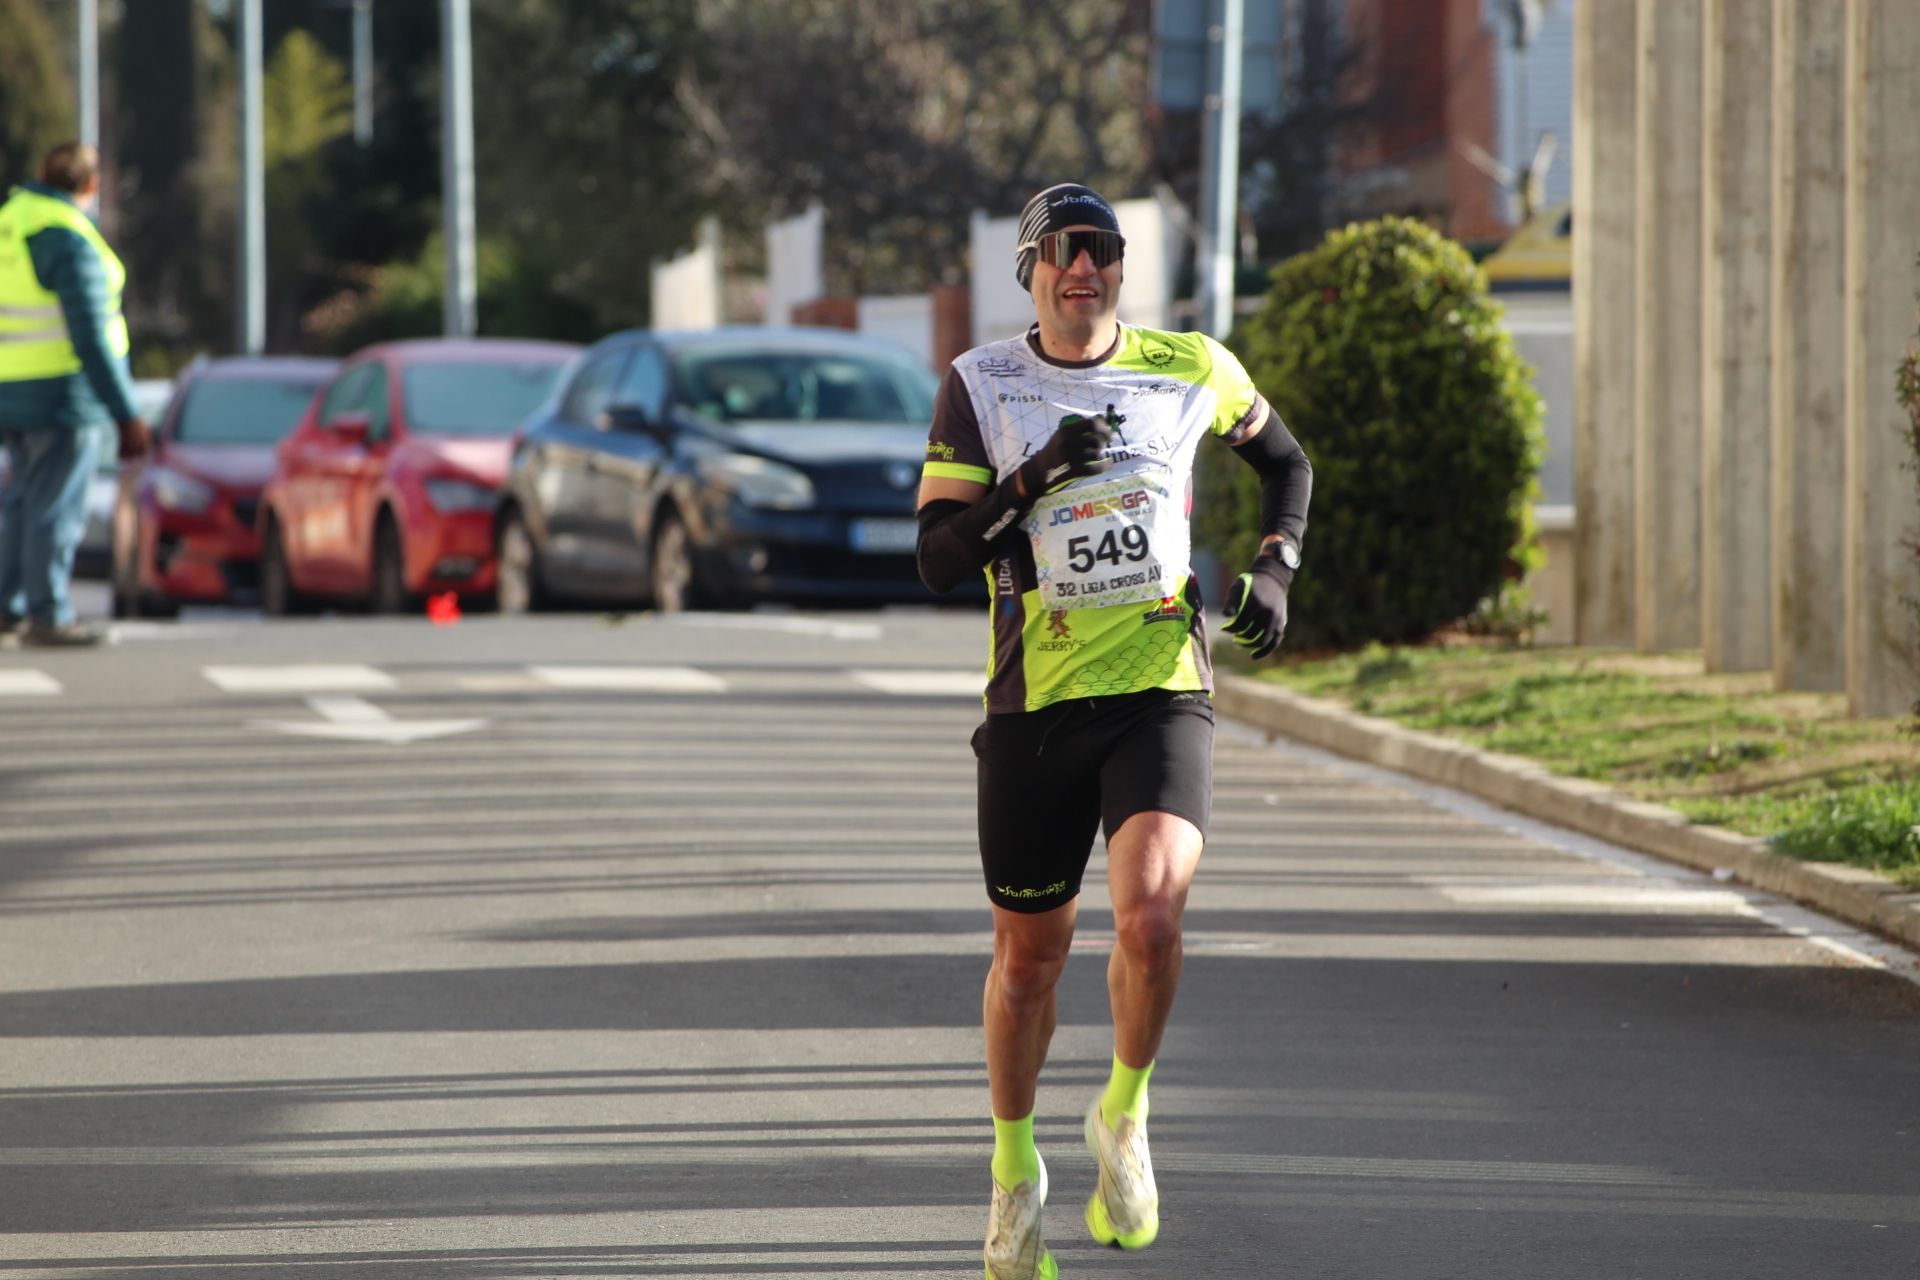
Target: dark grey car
720	468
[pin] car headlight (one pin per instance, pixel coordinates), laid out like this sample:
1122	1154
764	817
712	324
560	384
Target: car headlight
759	482
459	495
177	491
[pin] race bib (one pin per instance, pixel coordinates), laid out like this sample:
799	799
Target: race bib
1118	540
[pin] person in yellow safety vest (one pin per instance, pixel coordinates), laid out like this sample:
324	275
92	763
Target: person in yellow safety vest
63	372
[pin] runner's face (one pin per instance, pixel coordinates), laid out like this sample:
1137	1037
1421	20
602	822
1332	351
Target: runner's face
1079	303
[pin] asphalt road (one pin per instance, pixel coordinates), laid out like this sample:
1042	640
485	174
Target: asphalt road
593	947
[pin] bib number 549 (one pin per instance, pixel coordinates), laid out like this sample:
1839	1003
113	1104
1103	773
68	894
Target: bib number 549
1129	543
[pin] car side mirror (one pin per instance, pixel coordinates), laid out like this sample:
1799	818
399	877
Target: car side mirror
630	417
354	427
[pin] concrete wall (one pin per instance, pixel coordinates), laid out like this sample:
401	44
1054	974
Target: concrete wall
1666	405
1604	72
1842	208
686	291
1883	235
793	263
906	322
1809	219
1736	579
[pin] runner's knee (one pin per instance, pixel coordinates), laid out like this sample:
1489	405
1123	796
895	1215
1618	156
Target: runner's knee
1149	933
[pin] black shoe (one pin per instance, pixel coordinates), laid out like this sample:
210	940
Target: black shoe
36	634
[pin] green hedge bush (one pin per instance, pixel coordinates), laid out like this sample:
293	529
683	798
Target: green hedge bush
1382	352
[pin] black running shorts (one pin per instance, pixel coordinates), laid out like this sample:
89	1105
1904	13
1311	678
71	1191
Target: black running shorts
1050	778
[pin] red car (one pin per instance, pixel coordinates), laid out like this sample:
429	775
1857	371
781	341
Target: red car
184	517
384	493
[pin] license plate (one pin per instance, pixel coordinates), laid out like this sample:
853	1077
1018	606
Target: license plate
884	537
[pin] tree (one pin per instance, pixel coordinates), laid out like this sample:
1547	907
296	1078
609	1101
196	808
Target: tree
582	173
36	94
172	147
902	120
306	103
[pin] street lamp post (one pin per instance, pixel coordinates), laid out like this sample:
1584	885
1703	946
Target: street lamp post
1220	190
252	317
456	146
87	48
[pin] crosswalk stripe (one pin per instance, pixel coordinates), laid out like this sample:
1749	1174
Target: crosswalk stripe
922	684
304	678
27	684
631	679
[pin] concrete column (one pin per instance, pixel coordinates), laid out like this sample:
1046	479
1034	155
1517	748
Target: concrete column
1735	561
1604	67
1809	223
1883	238
1667	279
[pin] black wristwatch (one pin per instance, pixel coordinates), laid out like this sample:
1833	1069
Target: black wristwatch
1285	551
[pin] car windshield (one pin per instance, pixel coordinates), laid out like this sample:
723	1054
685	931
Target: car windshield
470	398
243	410
727	383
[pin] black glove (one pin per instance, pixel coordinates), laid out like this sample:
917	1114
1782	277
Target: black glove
1074	450
1257	605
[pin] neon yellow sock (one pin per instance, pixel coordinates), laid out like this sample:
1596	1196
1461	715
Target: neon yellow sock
1015	1158
1126	1093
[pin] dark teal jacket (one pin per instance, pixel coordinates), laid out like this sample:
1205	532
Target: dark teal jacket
103	389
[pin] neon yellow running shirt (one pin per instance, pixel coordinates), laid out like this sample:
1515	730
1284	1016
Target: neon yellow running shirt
1098	596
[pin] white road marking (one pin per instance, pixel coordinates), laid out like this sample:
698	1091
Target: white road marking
27	684
308	678
777	622
1650	897
631	679
1853	945
923	684
357	720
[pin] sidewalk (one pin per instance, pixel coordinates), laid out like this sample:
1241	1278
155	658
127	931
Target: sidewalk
1859	897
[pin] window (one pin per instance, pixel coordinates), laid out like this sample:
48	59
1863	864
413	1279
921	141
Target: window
374	402
645	383
592	388
344	395
242	410
733	383
471	398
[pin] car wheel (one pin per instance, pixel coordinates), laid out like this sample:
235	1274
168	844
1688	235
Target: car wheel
278	597
517	573
672	564
389	570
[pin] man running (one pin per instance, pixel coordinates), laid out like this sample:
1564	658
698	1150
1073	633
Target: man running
1099	707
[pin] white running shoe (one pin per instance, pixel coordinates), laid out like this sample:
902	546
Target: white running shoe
1125	1209
1015	1250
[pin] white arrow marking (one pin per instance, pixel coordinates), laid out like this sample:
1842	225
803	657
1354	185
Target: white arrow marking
357	720
308	678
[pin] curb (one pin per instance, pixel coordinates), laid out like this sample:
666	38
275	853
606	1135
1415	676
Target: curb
1862	898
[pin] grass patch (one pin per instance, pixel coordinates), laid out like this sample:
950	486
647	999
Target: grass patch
1793	768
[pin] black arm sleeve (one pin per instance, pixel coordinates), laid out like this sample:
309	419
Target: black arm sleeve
1286	479
959	538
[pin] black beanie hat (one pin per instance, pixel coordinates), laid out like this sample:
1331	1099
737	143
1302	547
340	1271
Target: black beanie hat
1067	204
